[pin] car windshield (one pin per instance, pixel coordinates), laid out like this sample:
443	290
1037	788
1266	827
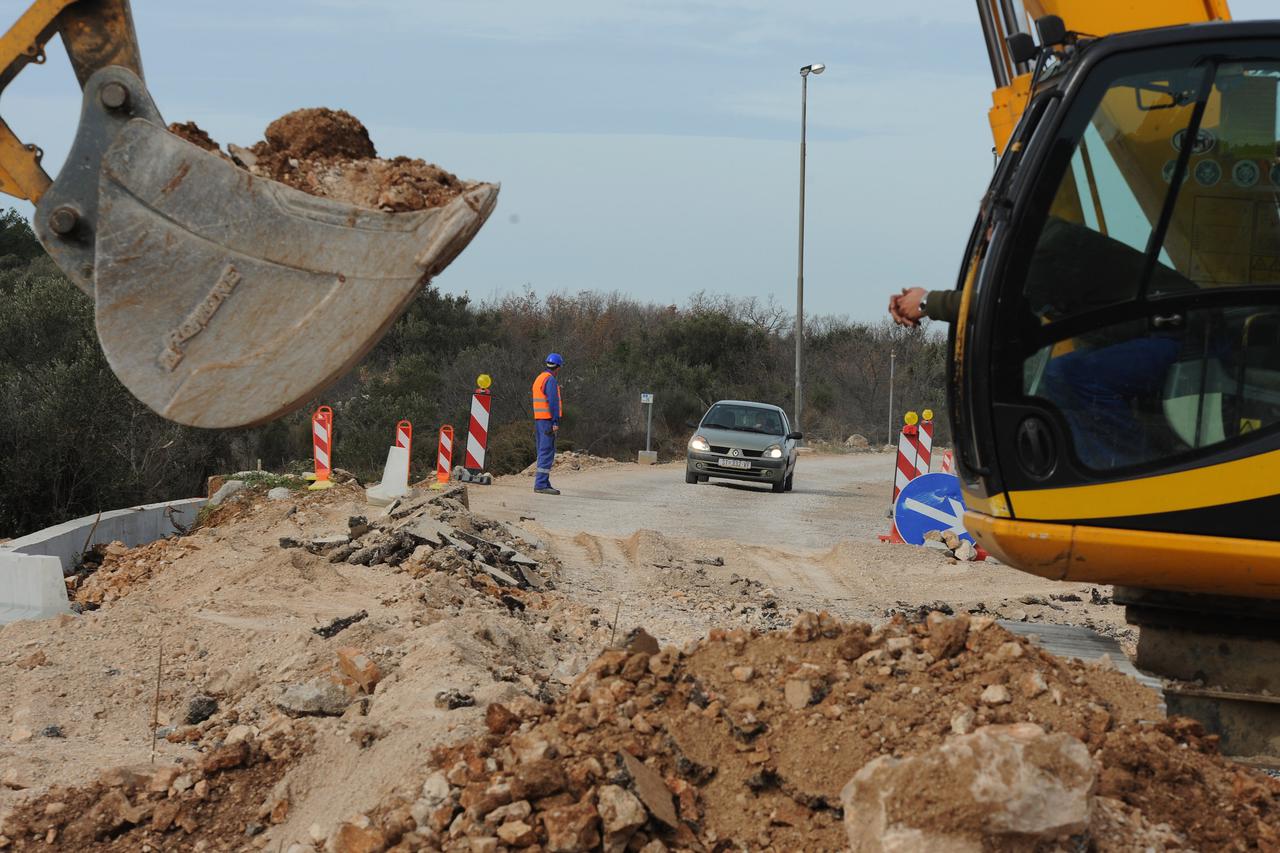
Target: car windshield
743	418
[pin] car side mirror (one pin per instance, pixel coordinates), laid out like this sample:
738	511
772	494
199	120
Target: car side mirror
795	436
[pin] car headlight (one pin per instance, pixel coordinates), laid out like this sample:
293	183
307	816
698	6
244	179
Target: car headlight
773	451
699	444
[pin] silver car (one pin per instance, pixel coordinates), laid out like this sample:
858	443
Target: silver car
740	440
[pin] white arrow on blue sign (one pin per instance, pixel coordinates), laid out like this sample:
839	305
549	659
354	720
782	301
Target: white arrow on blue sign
930	502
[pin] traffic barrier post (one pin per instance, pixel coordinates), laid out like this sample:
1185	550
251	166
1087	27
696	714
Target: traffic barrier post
924	440
472	468
404	437
322	446
905	467
444	456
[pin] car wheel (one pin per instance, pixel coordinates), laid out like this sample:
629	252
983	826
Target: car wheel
780	487
690	477
789	483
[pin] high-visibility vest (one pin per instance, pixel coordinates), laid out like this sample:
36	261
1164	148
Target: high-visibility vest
541	405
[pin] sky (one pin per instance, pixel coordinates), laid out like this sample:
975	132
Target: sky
648	147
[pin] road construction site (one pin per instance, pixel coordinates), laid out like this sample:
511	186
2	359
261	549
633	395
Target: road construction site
638	664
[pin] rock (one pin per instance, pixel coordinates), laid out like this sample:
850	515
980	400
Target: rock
536	779
805	629
33	660
452	699
950	539
350	838
966	551
1002	787
933	536
1032	684
743	673
225	757
110	813
651	789
357	666
996	694
621	811
935	545
320	697
517	833
280	493
435	790
799	692
200	708
229	488
640	640
962	721
571	829
239	733
499	719
857	442
946	636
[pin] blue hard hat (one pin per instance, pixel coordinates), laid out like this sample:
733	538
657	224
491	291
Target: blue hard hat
554	360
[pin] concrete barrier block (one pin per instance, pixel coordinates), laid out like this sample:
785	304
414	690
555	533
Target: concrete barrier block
395	478
31	587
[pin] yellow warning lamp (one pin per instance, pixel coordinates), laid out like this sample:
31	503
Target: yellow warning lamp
911	418
484	380
927	414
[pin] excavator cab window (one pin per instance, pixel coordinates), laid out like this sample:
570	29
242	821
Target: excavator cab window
1147	269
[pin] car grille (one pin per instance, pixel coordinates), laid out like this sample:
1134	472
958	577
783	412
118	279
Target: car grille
724	450
712	468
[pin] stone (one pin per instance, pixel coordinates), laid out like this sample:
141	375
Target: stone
571	829
199	709
946	636
112	812
805	629
857	442
1007	787
280	493
319	697
1032	684
530	747
225	757
357	666
33	660
636	667
620	810
651	789
743	673
350	838
799	692
517	833
962	721
536	779
238	733
935	545
229	488
966	552
950	539
500	720
452	699
435	789
996	694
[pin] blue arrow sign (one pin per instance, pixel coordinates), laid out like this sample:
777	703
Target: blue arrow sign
930	502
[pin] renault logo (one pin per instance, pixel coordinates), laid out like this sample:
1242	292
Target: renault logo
735	452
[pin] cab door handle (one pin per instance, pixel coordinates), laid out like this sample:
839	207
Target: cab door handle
1168	321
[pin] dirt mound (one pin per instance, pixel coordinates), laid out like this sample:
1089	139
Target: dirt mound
747	741
320	133
328	153
109	571
194	134
572	460
233	791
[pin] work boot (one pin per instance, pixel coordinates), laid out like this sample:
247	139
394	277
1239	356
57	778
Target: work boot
547	491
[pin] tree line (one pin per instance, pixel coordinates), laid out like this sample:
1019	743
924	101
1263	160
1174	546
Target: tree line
73	441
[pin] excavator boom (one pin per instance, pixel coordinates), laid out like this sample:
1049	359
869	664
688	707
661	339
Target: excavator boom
222	299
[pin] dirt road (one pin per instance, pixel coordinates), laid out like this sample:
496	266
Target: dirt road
642	538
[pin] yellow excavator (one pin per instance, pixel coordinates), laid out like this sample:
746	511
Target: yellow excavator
221	298
1115	376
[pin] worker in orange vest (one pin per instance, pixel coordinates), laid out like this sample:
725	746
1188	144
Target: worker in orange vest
547	410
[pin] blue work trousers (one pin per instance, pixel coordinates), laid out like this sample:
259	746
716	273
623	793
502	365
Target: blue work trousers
546	440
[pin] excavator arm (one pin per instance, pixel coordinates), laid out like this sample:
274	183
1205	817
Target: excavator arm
1004	18
222	299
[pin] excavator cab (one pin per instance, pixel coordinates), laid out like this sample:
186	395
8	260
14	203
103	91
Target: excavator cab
222	298
1117	394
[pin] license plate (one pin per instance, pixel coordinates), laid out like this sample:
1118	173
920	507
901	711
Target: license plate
735	463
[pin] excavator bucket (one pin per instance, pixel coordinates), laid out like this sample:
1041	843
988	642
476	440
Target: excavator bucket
223	299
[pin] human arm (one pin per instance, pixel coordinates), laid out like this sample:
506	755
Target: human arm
552	390
914	304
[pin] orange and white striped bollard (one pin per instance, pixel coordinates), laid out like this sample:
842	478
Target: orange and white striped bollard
322	446
444	457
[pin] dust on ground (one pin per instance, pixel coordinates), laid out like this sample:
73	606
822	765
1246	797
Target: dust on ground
328	153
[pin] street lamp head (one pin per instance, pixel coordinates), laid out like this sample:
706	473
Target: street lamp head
815	68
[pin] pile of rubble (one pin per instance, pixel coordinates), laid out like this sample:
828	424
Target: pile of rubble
438	533
156	807
947	734
573	460
108	571
949	543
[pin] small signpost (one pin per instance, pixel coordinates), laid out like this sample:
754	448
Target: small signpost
647	456
930	502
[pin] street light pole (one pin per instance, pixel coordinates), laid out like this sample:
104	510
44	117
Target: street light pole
893	358
815	68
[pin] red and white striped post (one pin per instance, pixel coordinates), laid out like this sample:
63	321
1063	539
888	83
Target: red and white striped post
322	446
404	437
444	457
948	462
906	467
924	460
478	432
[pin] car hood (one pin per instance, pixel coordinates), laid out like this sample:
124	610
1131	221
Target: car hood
737	438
